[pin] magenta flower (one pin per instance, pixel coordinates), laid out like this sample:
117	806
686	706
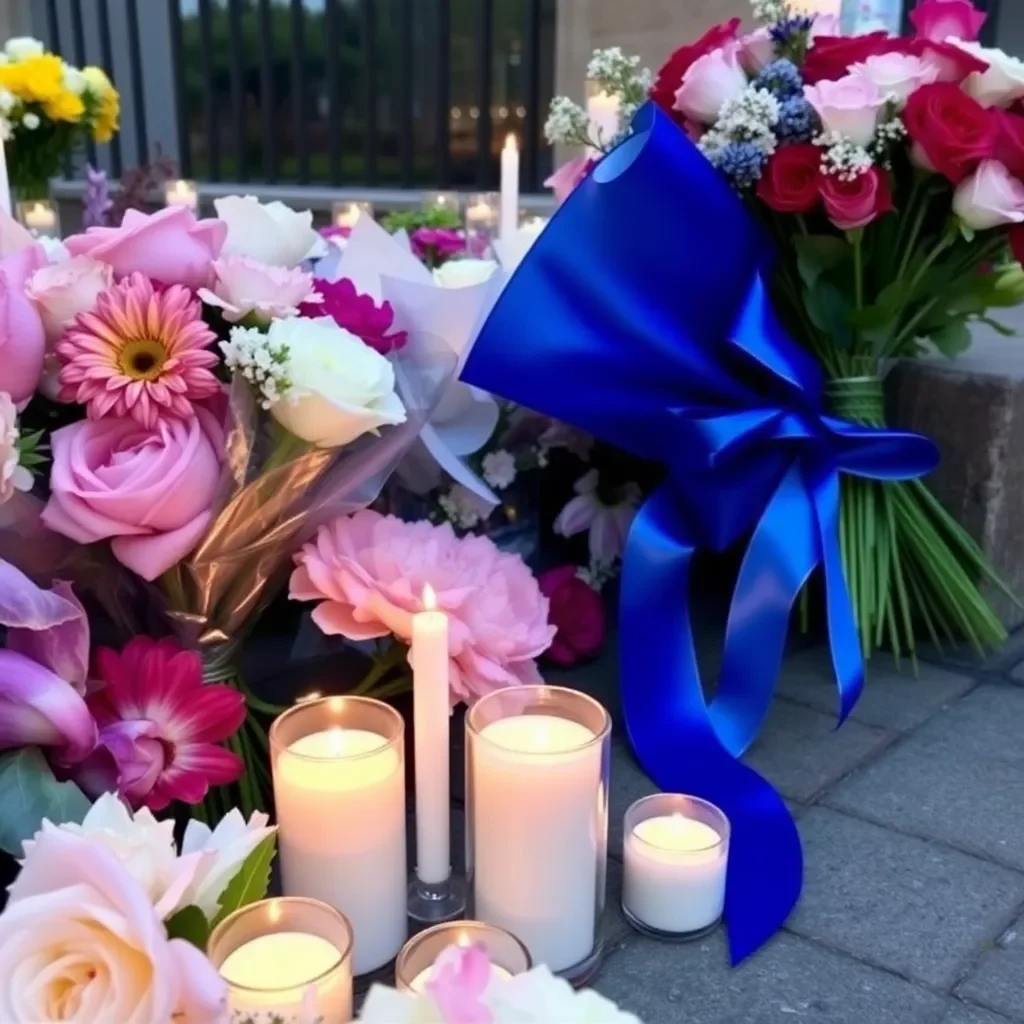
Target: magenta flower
435	245
160	726
357	313
460	979
369	571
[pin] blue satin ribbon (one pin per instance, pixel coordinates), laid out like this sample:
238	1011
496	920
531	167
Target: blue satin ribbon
641	315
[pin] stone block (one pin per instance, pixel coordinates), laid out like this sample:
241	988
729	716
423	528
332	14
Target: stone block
961	1013
907	905
790	980
973	408
998	980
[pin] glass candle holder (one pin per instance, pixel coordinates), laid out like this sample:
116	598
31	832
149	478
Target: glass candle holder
443	200
483	212
345	214
676	852
181	193
339	788
285	961
415	963
39	217
537	762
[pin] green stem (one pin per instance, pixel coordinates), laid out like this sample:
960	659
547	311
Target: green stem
382	665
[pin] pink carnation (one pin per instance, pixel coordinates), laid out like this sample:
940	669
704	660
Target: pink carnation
368	571
358	314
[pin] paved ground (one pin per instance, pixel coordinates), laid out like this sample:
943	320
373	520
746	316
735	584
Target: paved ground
912	819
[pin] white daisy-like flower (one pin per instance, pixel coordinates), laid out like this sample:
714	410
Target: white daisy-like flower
499	469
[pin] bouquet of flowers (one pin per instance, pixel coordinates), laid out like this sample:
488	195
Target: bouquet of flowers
221	405
47	108
889	170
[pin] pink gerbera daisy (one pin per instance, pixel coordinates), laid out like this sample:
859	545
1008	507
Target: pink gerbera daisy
159	726
141	352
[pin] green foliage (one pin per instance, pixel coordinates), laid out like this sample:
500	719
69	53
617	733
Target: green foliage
29	793
819	254
251	882
953	338
189	924
427	217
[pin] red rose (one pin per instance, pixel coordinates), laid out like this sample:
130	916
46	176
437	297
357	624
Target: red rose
830	57
951	131
670	75
578	612
853	204
791	181
1010	141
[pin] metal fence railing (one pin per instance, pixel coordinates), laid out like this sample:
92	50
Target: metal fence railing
336	93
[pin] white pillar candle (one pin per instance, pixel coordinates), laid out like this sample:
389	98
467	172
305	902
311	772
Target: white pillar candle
675	870
5	184
509	187
283	974
603	112
537	834
340	795
419	983
181	193
431	711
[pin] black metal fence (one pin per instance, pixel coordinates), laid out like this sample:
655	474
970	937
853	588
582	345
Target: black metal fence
375	93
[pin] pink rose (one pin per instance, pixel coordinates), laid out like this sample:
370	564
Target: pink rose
709	82
22	338
169	246
577	612
939	19
63	290
80	940
855	203
245	288
757	50
568	176
898	74
849	106
13	237
991	196
149	490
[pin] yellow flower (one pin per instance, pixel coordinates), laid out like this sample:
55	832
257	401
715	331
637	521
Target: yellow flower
108	108
65	106
34	80
96	81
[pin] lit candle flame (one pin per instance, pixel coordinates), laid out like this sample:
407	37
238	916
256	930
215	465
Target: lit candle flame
274	912
511	143
429	598
307	697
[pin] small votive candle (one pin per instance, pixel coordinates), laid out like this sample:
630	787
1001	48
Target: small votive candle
676	852
181	193
39	216
285	960
339	788
415	964
345	214
443	200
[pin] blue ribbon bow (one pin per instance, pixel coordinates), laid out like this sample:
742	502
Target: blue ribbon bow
640	315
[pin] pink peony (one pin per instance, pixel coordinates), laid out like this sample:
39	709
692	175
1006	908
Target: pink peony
358	314
568	176
80	940
368	571
710	82
850	106
63	290
169	246
160	726
245	288
149	490
13	236
937	20
142	353
577	612
22	337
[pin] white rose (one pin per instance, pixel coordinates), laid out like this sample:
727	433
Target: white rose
270	233
143	845
226	849
340	387
998	86
464	273
22	47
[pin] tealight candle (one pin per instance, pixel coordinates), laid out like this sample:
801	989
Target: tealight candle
676	853
181	193
40	217
287	960
339	787
538	824
417	961
345	214
442	200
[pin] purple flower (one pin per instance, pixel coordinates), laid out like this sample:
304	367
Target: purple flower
96	201
435	245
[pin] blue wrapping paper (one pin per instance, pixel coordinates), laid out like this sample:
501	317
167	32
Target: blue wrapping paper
641	315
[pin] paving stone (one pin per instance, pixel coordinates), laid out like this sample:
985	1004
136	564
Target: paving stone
906	904
791	981
800	752
959	778
961	1013
998	980
893	698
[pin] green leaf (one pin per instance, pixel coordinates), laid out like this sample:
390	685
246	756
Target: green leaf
952	339
883	313
189	924
829	309
29	793
999	328
818	254
251	882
